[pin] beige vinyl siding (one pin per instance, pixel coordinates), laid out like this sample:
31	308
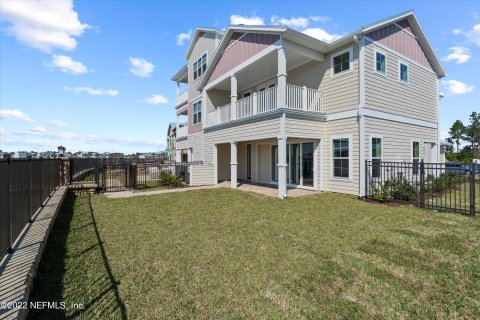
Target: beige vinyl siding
205	43
195	142
417	99
340	92
202	174
300	128
216	98
397	138
183	144
245	132
345	128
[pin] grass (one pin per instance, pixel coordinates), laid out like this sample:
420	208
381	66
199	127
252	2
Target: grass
456	197
224	254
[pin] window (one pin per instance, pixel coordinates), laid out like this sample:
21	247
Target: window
341	62
376	156
415	155
380	62
341	159
200	66
403	72
197	112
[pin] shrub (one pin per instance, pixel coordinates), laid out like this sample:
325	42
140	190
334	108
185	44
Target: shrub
169	179
444	181
394	189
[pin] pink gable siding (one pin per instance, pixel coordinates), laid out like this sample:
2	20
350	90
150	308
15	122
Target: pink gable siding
241	47
401	41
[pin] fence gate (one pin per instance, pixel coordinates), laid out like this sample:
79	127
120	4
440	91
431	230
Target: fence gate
439	186
115	177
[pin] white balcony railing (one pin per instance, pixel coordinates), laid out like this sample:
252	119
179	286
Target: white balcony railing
182	98
182	131
299	98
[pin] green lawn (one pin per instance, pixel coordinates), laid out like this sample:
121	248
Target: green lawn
222	254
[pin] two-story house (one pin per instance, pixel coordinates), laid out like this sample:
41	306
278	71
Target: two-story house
272	105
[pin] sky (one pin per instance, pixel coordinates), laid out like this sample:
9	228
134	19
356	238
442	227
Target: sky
95	75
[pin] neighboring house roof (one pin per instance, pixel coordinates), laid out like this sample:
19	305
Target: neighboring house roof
198	31
318	45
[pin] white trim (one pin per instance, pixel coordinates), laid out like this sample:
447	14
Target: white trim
399	55
400	62
322	165
342	114
234	42
397	118
350	64
404	30
350	156
361	116
243	65
375	50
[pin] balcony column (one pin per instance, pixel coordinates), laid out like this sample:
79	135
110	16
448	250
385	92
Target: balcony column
178	88
282	160
189	154
233	165
233	97
282	78
178	155
178	121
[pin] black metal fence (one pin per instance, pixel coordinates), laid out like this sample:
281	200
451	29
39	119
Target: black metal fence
119	174
25	185
440	186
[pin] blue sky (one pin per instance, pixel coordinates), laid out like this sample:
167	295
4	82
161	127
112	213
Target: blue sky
95	75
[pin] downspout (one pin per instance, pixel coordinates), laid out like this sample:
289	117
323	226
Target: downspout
360	114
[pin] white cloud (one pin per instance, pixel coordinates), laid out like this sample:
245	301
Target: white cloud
63	135
455	87
458	54
44	25
322	35
294	22
67	64
15	114
456	31
141	67
322	19
94	139
252	20
39	129
2	130
91	91
184	37
156	99
472	35
57	123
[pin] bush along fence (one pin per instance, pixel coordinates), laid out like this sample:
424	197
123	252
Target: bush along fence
440	186
25	186
126	173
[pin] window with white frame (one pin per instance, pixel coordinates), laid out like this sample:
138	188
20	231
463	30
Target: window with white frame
341	158
197	112
376	156
380	62
403	72
200	66
415	155
341	61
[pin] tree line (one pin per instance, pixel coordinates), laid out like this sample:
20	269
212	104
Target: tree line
460	133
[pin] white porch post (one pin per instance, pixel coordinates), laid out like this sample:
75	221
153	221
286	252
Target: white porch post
178	121
233	165
215	164
282	160
233	96
189	155
282	78
178	88
178	155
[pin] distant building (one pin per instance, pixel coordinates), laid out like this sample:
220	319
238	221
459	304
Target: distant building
61	151
1	154
21	154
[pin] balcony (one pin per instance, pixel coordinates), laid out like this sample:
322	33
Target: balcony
182	98
298	98
182	131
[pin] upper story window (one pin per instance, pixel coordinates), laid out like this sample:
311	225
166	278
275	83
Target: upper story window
197	112
403	72
199	67
341	61
380	61
341	158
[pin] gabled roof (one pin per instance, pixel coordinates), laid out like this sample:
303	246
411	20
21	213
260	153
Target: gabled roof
321	46
198	31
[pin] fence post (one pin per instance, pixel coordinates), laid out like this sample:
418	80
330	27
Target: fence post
422	184
31	189
472	188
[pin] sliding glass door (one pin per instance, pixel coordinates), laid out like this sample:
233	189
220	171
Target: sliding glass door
299	164
307	164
